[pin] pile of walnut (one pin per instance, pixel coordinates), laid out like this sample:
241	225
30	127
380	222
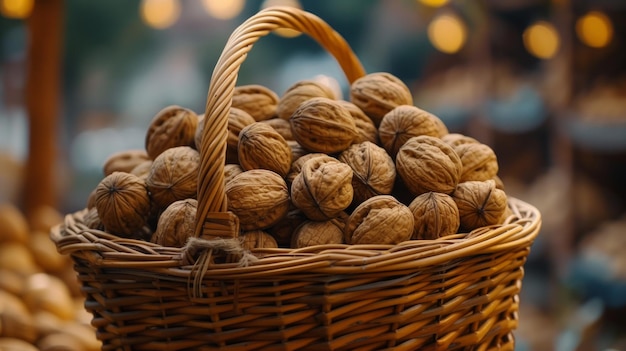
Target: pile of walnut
307	169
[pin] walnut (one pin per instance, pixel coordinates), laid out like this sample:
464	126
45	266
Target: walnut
296	166
176	224
142	169
298	93
404	122
379	220
259	197
480	204
323	125
311	233
435	214
124	161
479	161
261	147
297	150
122	203
455	139
282	126
374	172
323	189
426	163
171	127
257	239
378	93
237	120
366	130
92	220
257	100
173	176
231	170
283	230
499	182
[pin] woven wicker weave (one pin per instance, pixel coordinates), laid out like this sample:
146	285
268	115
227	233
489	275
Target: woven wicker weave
458	292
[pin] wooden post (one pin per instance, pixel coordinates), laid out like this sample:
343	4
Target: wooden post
43	101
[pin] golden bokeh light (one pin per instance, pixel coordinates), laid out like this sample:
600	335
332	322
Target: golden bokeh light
160	14
17	9
447	33
283	32
594	29
223	9
434	3
541	39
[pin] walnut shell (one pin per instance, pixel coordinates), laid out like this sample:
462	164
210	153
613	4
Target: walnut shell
257	239
283	230
92	220
282	126
122	203
231	170
261	147
323	188
171	127
296	166
176	224
174	176
374	172
366	130
425	163
404	122
124	161
480	204
311	233
297	150
257	100
142	169
323	125
298	93
259	197
455	139
378	93
435	215
479	161
379	220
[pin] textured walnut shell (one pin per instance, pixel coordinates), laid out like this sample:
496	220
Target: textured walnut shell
124	161
282	126
283	230
480	204
435	215
142	169
297	150
366	130
323	125
426	163
176	224
257	239
456	139
259	197
261	147
296	166
379	220
311	233
92	220
479	161
122	203
404	122
298	93
323	188
374	172
231	170
174	176
257	100
171	127
378	93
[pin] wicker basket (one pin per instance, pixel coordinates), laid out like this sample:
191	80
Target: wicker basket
457	292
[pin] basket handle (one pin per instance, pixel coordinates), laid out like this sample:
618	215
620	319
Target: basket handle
213	219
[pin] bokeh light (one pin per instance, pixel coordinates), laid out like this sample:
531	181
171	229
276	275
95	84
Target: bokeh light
541	39
17	9
283	32
160	14
223	9
434	3
447	33
594	29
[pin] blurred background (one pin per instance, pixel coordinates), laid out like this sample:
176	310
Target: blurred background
541	82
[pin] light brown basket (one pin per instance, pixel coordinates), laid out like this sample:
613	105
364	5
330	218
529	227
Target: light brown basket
457	292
